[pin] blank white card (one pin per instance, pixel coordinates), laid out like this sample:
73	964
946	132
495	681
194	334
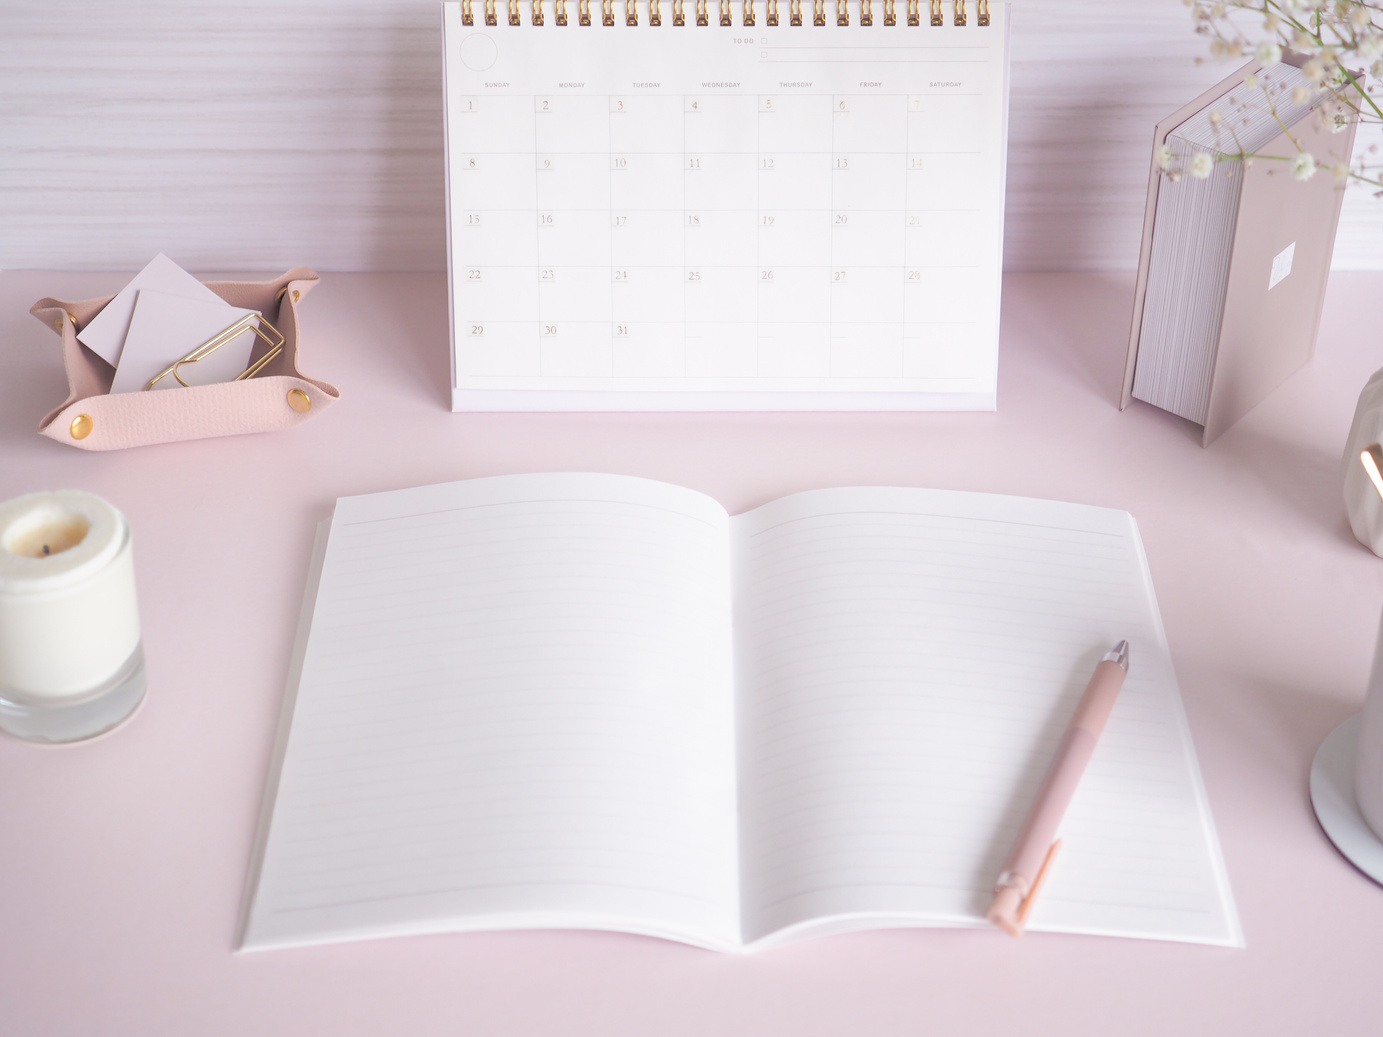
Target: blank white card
725	216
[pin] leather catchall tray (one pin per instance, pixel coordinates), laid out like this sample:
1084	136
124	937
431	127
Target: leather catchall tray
278	397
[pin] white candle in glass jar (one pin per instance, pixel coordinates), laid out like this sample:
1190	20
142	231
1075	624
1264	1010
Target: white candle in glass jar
68	616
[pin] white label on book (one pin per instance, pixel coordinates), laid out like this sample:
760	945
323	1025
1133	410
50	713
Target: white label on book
1282	265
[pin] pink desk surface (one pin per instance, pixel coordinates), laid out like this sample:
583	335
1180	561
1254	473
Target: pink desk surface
122	861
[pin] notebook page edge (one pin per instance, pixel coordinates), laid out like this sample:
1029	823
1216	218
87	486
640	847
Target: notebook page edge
285	722
1235	934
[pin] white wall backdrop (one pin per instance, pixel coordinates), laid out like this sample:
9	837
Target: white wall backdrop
258	134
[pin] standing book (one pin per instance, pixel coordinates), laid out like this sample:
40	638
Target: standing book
1233	266
599	702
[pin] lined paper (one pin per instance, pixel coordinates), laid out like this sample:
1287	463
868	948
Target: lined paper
907	661
515	710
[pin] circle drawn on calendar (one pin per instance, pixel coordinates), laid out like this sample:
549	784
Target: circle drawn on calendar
478	52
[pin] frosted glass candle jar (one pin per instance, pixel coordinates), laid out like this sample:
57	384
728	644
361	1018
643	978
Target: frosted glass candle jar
71	664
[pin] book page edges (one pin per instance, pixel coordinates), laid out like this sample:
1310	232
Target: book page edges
1160	134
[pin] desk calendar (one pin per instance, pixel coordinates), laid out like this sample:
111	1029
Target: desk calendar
653	206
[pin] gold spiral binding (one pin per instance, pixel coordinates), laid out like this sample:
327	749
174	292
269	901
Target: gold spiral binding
561	11
631	13
678	17
866	13
819	12
537	16
725	13
607	12
960	12
913	17
982	12
771	18
794	12
889	17
514	12
583	12
748	12
842	12
467	18
655	17
702	16
490	18
936	13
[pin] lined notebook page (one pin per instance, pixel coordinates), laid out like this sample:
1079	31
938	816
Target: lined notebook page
515	711
907	662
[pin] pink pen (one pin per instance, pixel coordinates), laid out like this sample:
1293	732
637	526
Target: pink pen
1016	889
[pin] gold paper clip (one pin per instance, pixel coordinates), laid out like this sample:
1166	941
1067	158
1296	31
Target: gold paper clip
263	330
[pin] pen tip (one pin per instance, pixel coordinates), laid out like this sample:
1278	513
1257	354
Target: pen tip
1119	654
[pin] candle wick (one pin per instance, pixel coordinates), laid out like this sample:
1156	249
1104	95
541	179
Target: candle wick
46	551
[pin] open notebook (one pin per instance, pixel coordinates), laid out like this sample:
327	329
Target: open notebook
591	701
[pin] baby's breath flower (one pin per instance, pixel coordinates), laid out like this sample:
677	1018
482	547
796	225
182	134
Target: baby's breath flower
1336	117
1340	171
1250	81
1304	166
1301	95
1164	157
1271	21
1215	117
1202	165
1313	70
1269	52
1371	46
1358	17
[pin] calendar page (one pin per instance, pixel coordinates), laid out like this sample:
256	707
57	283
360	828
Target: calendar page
725	216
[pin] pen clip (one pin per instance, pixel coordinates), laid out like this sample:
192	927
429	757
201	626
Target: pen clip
1030	900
